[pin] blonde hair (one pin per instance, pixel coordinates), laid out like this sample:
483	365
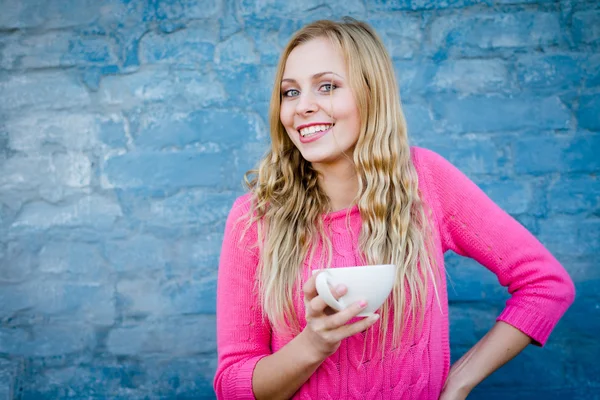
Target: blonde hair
287	202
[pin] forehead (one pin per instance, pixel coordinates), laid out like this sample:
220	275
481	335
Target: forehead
312	57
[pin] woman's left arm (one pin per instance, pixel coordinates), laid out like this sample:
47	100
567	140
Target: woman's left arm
472	225
500	345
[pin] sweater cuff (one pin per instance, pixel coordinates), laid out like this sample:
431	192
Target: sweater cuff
536	326
241	386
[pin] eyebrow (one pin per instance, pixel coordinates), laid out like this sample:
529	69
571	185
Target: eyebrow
315	76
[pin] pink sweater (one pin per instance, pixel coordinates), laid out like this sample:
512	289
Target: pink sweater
465	221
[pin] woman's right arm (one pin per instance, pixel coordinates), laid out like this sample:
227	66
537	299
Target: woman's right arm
243	336
246	366
280	375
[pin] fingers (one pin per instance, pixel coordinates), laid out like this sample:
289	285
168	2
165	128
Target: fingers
342	317
309	288
359	326
317	306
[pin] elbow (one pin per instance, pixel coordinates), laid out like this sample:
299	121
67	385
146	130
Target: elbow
563	289
219	384
570	291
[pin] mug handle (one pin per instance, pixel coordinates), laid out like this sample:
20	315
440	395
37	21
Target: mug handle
322	284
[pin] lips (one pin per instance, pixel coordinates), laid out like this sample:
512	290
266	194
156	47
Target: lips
313	131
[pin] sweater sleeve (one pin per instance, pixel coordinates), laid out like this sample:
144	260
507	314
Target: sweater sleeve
472	225
243	336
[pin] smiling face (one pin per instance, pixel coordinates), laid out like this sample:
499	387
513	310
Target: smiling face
318	109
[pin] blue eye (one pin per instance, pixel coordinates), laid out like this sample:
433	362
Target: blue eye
328	87
291	93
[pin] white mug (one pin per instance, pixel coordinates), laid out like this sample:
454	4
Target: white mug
372	283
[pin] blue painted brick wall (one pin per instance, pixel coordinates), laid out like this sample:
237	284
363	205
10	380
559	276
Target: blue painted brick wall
126	126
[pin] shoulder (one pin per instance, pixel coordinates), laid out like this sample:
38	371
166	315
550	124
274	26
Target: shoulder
239	214
241	206
427	160
432	168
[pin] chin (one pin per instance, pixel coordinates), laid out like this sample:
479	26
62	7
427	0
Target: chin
319	158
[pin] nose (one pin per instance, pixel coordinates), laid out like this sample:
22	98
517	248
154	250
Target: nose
307	104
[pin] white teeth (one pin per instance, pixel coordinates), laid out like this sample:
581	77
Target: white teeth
311	130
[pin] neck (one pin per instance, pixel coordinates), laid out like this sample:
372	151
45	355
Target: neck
340	184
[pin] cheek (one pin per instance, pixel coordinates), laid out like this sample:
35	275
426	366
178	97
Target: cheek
286	115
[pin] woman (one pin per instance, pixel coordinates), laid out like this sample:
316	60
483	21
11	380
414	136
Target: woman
340	186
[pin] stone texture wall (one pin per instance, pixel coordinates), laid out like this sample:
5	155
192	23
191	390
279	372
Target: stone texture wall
126	126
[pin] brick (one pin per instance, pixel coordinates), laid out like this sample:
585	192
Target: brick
50	14
588	115
245	158
275	8
17	260
574	195
60	300
175	297
471	76
8	372
49	90
592	71
44	340
161	86
515	197
556	72
198	254
249	83
164	170
103	379
223	128
79	132
138	253
74	169
469	281
112	132
191	211
570	236
418	119
73	261
476	156
500	113
141	297
586	27
127	44
193	46
414	5
186	9
24	173
50	177
150	377
94	211
37	51
90	49
511	2
400	43
413	78
469	321
472	34
535	155
266	42
549	392
187	377
577	317
532	364
191	297
175	336
238	49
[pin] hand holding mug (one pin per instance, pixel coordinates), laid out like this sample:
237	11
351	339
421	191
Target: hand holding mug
332	304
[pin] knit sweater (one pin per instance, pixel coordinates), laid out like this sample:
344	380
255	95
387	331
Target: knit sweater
465	221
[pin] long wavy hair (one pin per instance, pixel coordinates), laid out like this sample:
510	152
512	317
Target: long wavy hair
288	203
